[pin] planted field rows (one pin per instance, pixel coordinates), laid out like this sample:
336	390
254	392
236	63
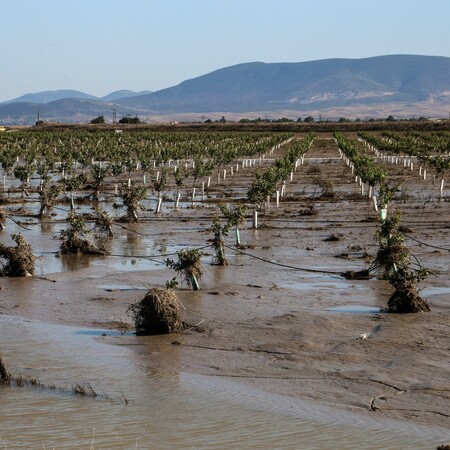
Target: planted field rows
302	183
279	313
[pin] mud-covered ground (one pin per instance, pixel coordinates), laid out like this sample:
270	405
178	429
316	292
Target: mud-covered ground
279	316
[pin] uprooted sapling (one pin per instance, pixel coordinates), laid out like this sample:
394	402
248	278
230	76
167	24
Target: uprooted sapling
104	221
234	217
219	232
48	196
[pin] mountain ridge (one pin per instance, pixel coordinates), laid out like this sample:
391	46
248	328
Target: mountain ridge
44	97
399	82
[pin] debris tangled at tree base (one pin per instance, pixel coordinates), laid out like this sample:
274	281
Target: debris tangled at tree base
19	259
78	246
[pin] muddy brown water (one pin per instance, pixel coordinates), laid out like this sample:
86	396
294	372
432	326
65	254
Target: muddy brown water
138	409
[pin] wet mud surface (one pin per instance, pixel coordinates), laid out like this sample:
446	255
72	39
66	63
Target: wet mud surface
285	321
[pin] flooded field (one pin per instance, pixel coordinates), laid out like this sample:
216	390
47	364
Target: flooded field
281	350
138	408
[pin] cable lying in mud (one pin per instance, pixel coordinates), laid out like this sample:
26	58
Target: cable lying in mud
156	257
427	245
303	269
115	255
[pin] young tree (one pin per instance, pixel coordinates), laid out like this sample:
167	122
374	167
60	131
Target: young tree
132	194
75	238
394	259
188	266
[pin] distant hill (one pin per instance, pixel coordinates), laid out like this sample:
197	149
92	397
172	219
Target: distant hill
400	85
65	110
50	96
327	83
122	94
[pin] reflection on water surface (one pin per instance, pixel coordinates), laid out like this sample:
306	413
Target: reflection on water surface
161	410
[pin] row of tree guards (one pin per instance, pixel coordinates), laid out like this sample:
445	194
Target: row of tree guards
429	151
393	258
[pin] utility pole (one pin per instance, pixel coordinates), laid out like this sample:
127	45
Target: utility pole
114	115
37	117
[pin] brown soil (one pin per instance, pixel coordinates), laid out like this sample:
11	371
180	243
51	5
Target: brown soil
273	326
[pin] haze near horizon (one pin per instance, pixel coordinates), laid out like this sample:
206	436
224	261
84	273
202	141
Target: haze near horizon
103	46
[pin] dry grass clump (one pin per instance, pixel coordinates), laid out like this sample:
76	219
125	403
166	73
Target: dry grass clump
19	259
333	237
84	389
309	210
159	312
327	187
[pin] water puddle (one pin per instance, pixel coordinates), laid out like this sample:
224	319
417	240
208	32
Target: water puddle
430	291
323	282
129	264
356	309
121	287
103	333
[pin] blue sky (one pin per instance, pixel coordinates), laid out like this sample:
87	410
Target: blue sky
99	46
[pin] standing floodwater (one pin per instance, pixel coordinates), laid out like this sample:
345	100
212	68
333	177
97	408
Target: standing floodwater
136	408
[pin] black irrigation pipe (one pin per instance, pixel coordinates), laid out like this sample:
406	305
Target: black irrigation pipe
303	269
155	256
132	256
424	243
17	223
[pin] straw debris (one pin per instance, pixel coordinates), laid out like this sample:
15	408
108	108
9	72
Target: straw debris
159	312
19	259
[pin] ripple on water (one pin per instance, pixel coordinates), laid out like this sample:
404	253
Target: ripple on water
164	410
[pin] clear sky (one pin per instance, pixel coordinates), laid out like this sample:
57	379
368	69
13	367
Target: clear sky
99	46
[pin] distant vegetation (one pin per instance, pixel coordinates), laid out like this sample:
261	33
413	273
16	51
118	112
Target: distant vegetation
99	119
130	120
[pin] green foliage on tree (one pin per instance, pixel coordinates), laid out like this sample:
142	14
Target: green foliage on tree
394	260
132	194
75	238
188	266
